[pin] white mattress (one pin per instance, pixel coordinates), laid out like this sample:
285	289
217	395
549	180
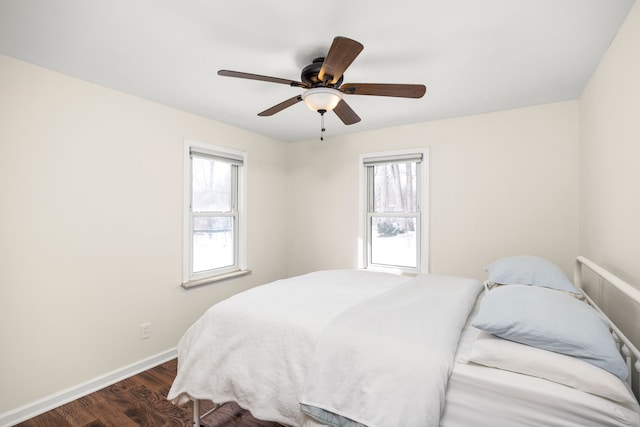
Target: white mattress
487	397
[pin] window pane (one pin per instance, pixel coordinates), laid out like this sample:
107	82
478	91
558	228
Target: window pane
395	187
393	241
213	244
211	186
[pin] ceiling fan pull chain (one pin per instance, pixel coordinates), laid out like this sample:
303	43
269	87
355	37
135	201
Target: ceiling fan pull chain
322	129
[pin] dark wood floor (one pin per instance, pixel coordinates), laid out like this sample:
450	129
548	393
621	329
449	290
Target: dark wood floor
140	401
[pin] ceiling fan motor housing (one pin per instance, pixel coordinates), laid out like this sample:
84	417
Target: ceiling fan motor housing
310	74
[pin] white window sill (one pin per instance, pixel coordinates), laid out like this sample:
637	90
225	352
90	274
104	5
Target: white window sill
214	279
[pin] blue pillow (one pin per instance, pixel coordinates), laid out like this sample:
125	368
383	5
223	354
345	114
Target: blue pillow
552	321
529	270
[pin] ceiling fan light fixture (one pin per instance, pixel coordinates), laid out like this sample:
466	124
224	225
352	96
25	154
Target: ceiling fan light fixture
322	98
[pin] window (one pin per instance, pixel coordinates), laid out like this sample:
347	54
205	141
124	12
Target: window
214	229
394	210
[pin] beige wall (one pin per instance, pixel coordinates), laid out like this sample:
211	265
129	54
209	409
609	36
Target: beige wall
610	165
500	184
90	228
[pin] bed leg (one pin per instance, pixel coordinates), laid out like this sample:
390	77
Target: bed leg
196	413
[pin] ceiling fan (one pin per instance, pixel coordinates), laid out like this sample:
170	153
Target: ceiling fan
322	81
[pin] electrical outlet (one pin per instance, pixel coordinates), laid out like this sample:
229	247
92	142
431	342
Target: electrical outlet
145	331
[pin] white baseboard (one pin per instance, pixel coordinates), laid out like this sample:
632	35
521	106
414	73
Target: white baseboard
48	403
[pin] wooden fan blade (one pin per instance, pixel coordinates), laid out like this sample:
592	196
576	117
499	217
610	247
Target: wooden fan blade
279	107
241	75
383	89
345	113
341	54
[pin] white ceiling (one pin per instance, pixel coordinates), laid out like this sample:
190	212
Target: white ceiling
474	56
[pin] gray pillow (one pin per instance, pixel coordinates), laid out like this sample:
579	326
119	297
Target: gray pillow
529	270
552	321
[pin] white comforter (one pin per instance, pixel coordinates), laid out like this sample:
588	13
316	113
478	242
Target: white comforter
386	361
255	347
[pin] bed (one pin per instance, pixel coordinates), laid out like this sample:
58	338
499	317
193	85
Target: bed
359	348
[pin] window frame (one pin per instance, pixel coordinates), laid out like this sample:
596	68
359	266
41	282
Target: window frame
238	159
421	213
